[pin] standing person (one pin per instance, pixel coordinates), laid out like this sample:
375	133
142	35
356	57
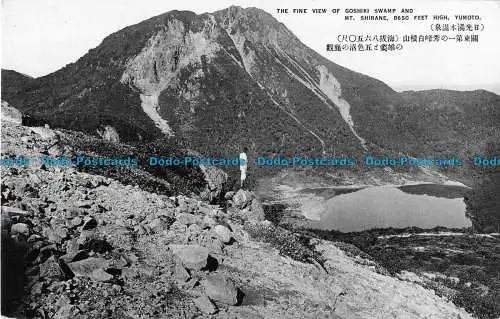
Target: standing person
243	165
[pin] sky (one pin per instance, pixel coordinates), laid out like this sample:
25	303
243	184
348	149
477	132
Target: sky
41	36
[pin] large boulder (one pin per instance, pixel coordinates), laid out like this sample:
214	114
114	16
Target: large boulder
20	228
215	178
193	257
223	233
101	275
221	288
242	198
86	267
204	304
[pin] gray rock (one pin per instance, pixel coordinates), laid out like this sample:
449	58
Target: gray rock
65	312
74	256
157	225
247	313
204	304
193	231
51	269
55	150
72	245
85	237
84	268
44	133
206	239
190	284
37	288
215	178
221	288
180	273
56	235
20	228
100	275
188	219
192	256
75	222
223	233
186	205
257	210
120	237
183	206
14	211
209	222
242	198
109	133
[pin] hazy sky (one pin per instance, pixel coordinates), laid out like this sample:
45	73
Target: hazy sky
41	36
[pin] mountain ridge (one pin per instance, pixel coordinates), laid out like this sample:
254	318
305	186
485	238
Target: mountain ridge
218	81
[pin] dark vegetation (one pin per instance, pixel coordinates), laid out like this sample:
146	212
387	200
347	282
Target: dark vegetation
274	213
448	124
483	201
290	244
167	180
436	190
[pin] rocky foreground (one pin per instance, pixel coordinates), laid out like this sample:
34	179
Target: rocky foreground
85	246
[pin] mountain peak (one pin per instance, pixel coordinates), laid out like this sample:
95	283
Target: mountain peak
221	80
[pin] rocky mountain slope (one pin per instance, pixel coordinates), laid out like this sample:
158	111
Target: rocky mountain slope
217	81
80	245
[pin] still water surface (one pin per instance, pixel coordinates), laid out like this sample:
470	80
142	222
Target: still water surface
390	206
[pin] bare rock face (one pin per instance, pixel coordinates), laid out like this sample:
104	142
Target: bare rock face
166	53
221	288
192	257
11	114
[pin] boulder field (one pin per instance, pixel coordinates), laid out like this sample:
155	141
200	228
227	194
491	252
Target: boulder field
85	246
